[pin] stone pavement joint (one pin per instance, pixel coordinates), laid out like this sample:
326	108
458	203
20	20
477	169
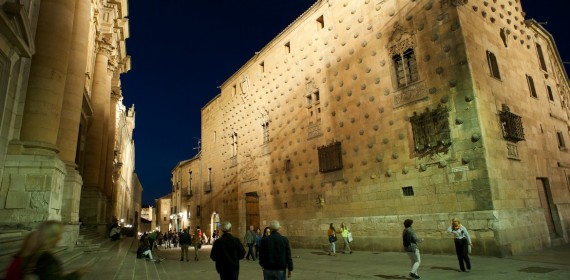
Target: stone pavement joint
120	263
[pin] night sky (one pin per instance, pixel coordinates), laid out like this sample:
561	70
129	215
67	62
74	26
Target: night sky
183	50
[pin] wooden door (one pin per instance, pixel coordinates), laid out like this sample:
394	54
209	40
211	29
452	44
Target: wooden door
252	209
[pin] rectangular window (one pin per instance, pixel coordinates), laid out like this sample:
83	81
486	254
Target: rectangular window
198	212
431	131
560	137
550	95
265	128
208	185
288	165
330	157
493	65
406	68
541	57
288	47
511	125
531	87
262	66
408	191
320	23
164	219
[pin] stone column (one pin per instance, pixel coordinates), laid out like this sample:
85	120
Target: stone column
33	173
96	146
70	121
44	99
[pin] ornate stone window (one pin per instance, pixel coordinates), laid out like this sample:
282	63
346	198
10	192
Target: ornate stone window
406	67
402	52
431	129
330	157
511	125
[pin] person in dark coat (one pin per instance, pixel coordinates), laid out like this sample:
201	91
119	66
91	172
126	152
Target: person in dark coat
226	252
184	244
275	254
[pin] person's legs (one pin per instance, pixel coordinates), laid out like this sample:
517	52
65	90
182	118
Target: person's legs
459	253
250	251
229	275
148	253
346	245
415	262
465	253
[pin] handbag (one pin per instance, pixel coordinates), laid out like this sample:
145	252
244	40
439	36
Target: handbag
350	236
332	238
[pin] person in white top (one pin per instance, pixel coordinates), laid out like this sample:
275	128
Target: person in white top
462	243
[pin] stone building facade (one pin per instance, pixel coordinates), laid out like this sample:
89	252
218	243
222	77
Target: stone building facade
62	154
162	213
375	111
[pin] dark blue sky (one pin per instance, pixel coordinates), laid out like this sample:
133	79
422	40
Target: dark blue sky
182	50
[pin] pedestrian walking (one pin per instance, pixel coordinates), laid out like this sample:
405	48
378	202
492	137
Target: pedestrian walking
332	240
344	232
411	241
197	243
258	237
275	254
184	244
249	239
226	252
462	241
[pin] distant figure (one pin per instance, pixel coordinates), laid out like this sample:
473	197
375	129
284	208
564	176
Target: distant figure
37	258
411	245
462	241
226	252
331	233
249	239
275	254
197	243
258	237
145	249
115	233
266	232
344	231
184	244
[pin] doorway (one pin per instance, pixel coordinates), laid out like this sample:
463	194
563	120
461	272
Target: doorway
547	204
252	209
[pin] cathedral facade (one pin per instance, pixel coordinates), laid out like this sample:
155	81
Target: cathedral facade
375	111
66	149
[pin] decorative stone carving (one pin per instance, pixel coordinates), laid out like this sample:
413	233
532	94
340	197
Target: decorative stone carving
410	94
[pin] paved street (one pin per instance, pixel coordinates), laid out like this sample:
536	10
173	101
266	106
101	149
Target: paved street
120	263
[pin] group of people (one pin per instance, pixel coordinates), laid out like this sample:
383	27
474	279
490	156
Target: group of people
346	237
253	240
461	238
273	252
148	242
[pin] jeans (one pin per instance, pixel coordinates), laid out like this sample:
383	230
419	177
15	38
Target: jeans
415	259
274	274
333	247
